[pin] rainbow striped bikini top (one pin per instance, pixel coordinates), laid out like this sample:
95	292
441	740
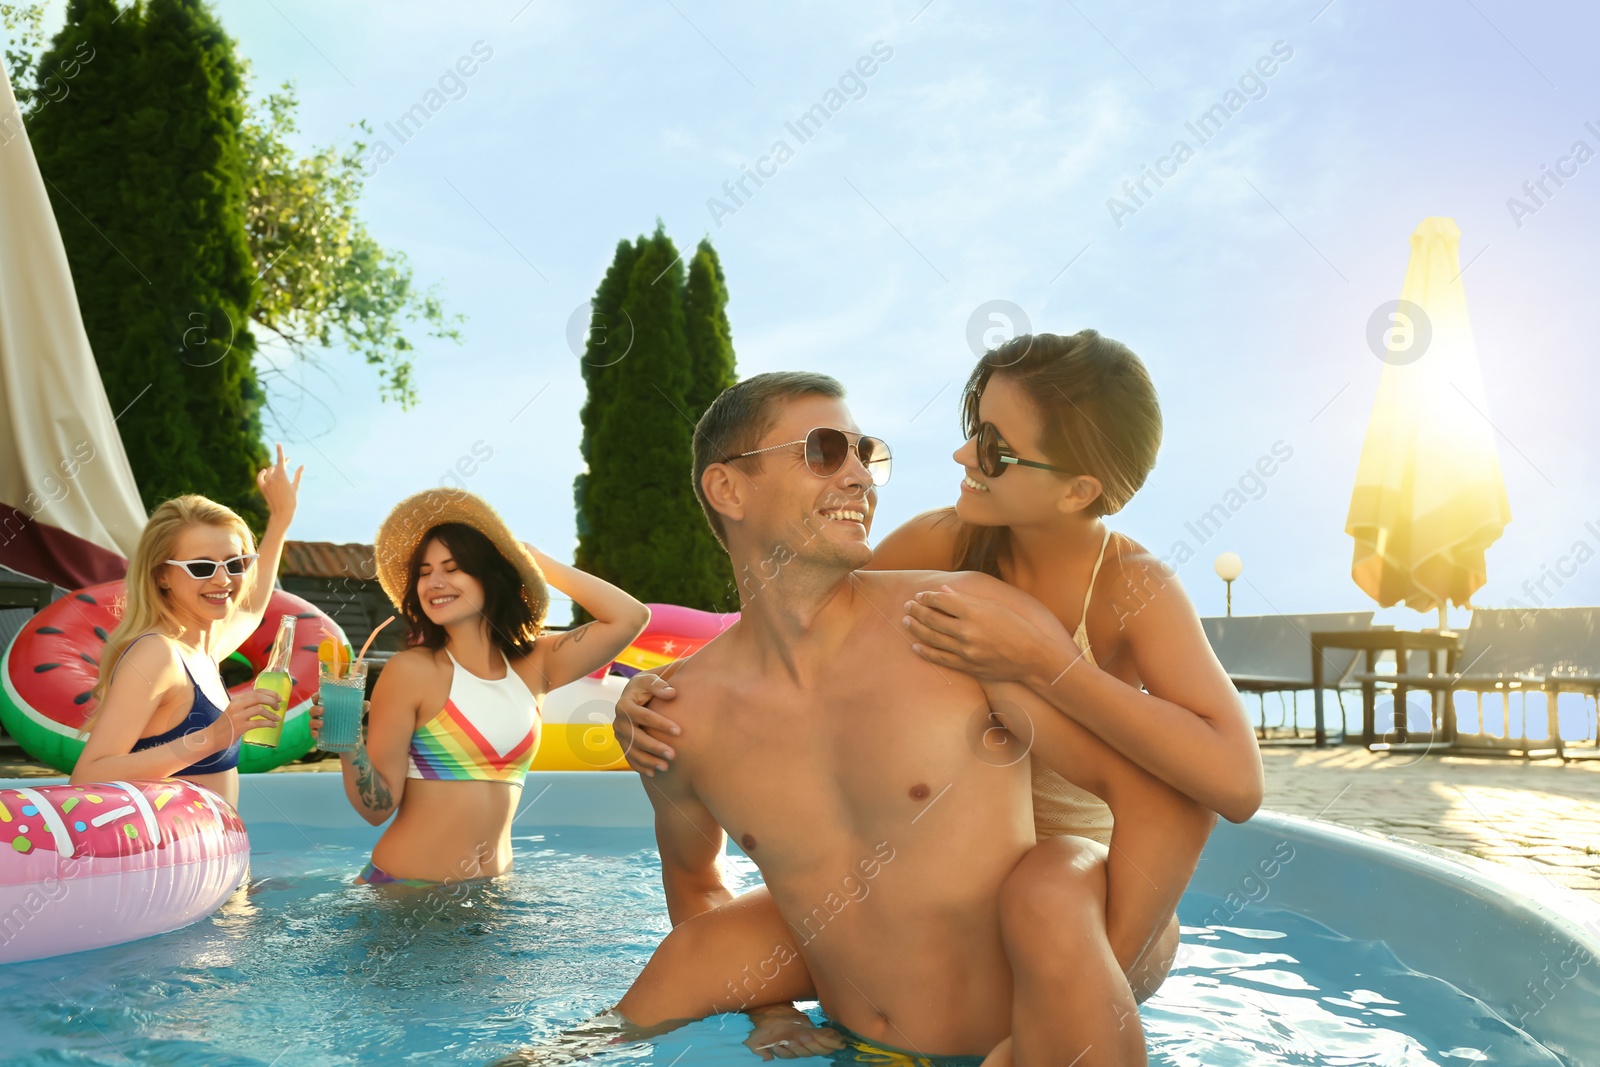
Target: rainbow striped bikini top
487	731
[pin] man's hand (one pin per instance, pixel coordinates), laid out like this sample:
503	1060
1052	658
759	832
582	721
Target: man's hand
640	730
786	1033
978	636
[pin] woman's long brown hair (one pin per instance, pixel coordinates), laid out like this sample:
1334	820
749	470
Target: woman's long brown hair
1101	418
513	628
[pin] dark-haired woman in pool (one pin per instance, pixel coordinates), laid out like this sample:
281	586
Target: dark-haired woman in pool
454	720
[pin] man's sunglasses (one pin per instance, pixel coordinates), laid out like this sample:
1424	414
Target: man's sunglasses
993	457
205	568
827	449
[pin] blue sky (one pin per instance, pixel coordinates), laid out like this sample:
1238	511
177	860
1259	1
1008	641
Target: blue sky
976	164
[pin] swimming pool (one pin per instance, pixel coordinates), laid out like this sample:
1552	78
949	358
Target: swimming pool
1304	944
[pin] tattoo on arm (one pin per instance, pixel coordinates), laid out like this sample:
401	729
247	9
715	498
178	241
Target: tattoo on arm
574	636
370	784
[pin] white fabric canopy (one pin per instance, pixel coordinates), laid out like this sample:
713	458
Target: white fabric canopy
69	508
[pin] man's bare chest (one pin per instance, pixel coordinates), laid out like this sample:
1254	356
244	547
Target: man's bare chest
797	778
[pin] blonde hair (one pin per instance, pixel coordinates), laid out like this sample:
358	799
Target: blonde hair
147	607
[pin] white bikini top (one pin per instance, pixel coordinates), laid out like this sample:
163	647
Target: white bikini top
1059	807
487	730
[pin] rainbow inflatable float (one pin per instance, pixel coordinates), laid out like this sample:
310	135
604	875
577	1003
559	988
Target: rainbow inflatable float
576	735
50	669
84	867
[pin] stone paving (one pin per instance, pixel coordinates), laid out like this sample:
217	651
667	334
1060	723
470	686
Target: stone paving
1539	817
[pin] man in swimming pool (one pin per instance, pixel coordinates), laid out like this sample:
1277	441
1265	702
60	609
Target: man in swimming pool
884	809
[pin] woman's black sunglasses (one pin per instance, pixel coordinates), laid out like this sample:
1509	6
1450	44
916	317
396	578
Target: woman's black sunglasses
205	568
826	449
993	458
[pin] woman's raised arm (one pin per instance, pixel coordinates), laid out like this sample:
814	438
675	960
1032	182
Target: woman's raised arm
618	619
281	493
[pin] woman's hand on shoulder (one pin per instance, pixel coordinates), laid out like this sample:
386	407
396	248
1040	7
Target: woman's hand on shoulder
978	624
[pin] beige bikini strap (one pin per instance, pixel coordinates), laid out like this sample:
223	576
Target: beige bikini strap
1084	620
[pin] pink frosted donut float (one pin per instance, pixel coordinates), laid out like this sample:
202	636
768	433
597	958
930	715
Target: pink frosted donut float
83	867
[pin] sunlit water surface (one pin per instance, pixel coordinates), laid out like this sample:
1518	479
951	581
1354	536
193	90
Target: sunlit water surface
301	968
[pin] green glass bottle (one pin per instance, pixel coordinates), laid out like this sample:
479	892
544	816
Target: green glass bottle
275	679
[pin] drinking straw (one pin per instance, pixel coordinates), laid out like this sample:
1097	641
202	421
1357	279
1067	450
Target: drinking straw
363	653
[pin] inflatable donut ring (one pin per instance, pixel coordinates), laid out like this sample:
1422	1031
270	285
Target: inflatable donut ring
88	866
50	669
575	734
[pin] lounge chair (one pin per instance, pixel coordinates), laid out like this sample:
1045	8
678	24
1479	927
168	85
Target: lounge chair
1553	650
1272	653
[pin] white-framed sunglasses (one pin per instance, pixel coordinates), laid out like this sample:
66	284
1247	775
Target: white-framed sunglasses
205	568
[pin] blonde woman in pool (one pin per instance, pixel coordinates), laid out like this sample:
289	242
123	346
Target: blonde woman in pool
197	588
454	720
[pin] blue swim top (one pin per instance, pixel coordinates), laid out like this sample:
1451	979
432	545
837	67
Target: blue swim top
202	713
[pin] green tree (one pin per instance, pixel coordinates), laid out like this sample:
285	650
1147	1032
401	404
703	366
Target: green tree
642	436
706	326
324	283
320	281
24	26
608	338
657	353
711	370
146	178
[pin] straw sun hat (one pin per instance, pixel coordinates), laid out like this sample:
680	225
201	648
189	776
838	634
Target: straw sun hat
414	516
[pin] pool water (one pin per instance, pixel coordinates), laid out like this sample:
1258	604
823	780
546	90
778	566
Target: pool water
301	968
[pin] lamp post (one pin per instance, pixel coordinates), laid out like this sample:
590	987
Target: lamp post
1229	566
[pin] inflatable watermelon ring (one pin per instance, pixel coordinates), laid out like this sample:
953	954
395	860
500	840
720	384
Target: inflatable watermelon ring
50	670
85	866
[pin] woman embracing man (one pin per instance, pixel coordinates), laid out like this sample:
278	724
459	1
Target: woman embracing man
1060	432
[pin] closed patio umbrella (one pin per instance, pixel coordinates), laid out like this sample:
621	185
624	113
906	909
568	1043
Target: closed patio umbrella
70	512
1429	497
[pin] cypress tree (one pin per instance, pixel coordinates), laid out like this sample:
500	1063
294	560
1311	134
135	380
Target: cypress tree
607	343
146	179
657	354
641	506
711	370
711	359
